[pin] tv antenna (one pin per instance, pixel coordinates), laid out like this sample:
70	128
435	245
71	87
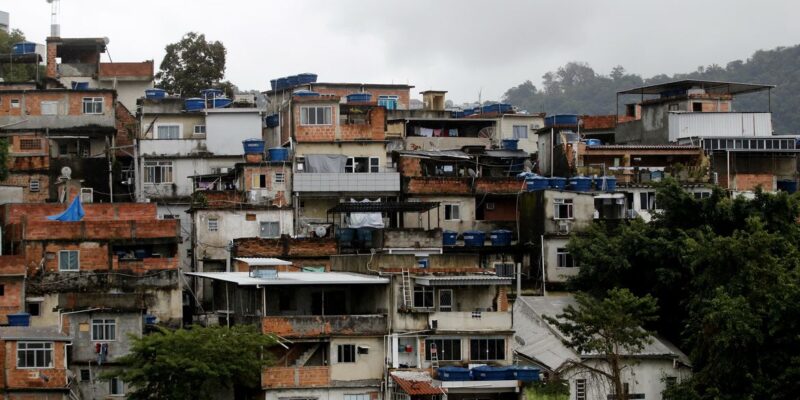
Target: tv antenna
55	9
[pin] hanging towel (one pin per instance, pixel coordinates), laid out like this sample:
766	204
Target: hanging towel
426	132
453	132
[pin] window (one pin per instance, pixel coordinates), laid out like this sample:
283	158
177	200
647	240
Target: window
701	195
452	212
390	102
580	389
300	163
487	349
30	144
446	349
563	208
445	300
346	353
68	260
2	290
270	229
647	200
34	185
315	115
34	308
199	129
14	103
279	177
520	131
259	181
86	375
168	132
213	224
170	216
490	205
362	165
92	105
563	258
504	269
670	382
423	297
673	107
356	397
116	387
156	172
104	330
34	355
49	107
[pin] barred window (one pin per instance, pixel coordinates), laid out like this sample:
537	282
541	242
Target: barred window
34	355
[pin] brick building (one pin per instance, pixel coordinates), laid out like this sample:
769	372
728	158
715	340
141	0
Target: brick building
34	363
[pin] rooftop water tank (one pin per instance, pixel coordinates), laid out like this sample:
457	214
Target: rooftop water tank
561	119
537	183
292	81
305	93
306	78
23	48
594	142
557	183
278	154
510	144
501	237
19	319
581	184
605	183
282	83
155	93
194	104
209	93
449	238
453	374
272	120
220	102
80	85
253	146
489	373
474	238
358	97
525	373
273	83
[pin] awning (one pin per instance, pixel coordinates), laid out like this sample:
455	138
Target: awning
463	280
263	261
390	206
712	87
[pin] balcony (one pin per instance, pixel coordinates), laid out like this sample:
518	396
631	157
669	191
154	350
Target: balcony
462	185
91	123
77	69
318	325
308	182
444	142
470	321
172	147
723	124
145	265
295	377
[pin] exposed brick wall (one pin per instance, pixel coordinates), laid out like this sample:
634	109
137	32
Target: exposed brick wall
14	213
751	181
437	185
92	256
284	247
24	180
374	130
410	166
51	67
316	133
505	209
95	230
145	265
498	185
30	102
11	301
126	69
33	379
403	94
286	377
127	127
502	299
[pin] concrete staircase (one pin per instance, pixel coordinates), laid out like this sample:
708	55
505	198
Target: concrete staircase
303	359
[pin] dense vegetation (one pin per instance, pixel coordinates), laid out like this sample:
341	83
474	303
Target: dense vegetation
192	64
196	363
726	275
577	88
11	72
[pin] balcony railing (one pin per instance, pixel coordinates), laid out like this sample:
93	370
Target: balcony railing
176	147
470	321
295	377
318	325
347	182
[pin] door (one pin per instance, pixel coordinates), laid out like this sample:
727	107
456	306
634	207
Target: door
446	300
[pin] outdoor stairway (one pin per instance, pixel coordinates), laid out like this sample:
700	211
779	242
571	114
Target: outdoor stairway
306	355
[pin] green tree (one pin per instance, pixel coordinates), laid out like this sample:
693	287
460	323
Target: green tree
195	363
4	159
192	64
610	327
11	72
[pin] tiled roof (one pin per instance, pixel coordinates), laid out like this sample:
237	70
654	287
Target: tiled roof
416	383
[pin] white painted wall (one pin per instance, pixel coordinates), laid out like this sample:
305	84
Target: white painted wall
182	169
506	125
367	366
227	128
319	393
233	224
643	376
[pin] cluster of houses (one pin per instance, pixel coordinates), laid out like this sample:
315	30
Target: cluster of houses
395	250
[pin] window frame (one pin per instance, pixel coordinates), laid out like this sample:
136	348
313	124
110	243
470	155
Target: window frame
384	100
106	327
178	134
449	308
346	353
45	104
566	205
514	133
47	347
34	185
306	120
276	224
212	227
15	103
451	207
279	178
496	341
150	168
370	162
441	349
195	132
95	105
27	144
77	260
428	295
116	387
564	258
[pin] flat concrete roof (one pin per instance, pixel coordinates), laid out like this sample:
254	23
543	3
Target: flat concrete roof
294	278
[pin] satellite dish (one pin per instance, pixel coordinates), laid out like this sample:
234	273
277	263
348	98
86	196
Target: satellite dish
472	172
320	231
66	172
487	132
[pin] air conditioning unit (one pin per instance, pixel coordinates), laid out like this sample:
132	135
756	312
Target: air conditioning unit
224	170
87	195
564	227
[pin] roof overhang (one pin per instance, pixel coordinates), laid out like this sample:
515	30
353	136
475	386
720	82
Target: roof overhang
293	278
711	87
391	206
262	261
463	280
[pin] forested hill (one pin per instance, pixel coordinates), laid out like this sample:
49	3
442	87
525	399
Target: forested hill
577	88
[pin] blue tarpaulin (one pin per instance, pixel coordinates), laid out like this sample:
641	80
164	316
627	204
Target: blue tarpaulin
73	213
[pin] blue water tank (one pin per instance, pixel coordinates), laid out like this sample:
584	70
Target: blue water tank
272	120
469	111
19	319
253	146
80	85
557	182
305	93
23	48
561	119
453	374
155	93
474	238
209	93
221	102
194	104
345	235
359	97
605	183
501	237
292	81
278	154
449	238
273	83
594	142
537	183
581	183
306	78
510	144
282	83
488	373
525	373
365	236
786	185
150	319
457	114
141	253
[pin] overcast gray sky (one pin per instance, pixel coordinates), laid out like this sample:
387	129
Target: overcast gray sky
461	46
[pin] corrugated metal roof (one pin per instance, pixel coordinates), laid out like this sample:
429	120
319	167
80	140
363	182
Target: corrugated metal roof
543	342
346	182
263	261
416	383
643	147
32	333
294	278
507	153
435	154
715	87
463	280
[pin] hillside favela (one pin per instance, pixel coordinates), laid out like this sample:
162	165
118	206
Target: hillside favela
399	201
